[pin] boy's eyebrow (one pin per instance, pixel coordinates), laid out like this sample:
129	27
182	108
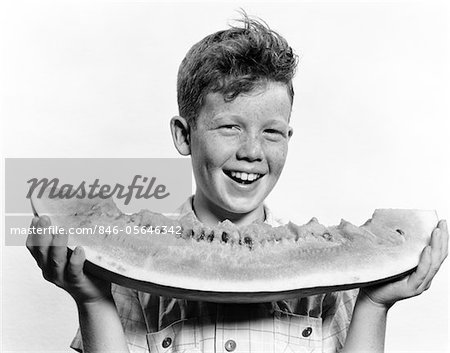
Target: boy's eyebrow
222	115
278	121
225	115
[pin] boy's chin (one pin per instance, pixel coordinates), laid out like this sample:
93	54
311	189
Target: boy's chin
244	206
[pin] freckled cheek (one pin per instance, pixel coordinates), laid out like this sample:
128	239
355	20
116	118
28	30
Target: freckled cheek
277	160
212	159
218	152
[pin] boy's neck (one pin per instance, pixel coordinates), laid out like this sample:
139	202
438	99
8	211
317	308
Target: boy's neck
208	213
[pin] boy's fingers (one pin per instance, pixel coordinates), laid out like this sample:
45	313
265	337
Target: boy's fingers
418	276
34	222
442	225
31	242
57	258
435	258
75	265
39	241
43	235
44	221
32	234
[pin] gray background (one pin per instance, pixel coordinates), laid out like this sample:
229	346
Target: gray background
174	173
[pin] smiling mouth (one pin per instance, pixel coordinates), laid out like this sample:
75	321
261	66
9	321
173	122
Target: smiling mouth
243	177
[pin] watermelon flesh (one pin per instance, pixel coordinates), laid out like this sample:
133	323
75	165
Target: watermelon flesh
226	263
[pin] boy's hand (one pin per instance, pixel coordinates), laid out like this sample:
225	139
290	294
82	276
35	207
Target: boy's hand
62	268
420	280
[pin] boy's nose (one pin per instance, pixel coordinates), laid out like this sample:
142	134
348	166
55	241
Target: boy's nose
250	149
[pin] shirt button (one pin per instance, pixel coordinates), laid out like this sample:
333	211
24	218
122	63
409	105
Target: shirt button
230	345
166	342
307	332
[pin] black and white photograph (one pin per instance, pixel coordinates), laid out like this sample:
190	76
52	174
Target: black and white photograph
225	176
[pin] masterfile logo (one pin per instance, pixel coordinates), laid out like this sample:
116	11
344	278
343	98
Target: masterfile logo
157	184
84	190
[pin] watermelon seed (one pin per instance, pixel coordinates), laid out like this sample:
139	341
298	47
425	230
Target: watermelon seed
225	237
327	236
248	241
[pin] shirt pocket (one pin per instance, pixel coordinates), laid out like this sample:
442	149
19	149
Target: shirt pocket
179	337
297	333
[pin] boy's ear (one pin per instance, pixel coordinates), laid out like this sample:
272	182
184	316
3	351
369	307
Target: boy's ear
290	132
181	135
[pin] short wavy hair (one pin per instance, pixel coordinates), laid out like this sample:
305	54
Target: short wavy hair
231	62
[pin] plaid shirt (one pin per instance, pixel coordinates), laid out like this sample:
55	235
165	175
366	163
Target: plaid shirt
157	324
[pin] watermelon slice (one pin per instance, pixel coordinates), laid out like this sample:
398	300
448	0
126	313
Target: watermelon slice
181	257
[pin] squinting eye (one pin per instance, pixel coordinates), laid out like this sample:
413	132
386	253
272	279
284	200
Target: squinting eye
275	132
229	130
229	127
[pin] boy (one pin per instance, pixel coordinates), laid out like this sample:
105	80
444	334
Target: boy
235	96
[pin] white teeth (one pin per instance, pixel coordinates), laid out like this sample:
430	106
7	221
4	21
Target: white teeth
245	176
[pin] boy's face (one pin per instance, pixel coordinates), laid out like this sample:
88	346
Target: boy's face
239	148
